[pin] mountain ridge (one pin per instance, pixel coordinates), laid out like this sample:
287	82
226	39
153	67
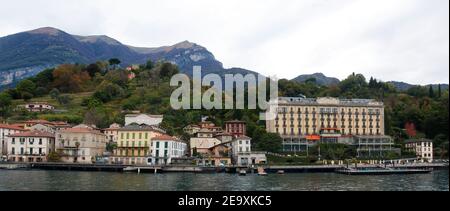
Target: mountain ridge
25	54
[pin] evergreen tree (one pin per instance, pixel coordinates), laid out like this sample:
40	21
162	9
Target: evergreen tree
431	92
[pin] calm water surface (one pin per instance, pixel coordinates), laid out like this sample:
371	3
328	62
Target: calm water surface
103	181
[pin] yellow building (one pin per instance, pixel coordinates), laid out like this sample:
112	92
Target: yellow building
304	121
134	144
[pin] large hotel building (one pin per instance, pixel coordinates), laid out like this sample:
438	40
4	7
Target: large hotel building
303	122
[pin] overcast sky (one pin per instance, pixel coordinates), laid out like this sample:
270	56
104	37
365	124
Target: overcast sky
405	40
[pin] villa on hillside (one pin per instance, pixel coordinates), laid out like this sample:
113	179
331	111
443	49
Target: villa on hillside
37	107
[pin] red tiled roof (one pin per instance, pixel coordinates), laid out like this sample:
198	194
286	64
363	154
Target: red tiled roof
164	138
34	134
11	127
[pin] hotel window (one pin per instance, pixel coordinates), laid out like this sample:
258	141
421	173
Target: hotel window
134	135
121	135
140	135
128	135
157	144
166	145
40	141
13	151
13	141
146	135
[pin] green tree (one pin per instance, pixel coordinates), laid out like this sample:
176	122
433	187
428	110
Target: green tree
114	62
431	92
26	96
5	104
54	93
26	86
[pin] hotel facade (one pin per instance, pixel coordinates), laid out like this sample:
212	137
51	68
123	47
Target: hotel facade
303	122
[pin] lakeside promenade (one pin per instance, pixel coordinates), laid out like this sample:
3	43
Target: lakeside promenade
204	169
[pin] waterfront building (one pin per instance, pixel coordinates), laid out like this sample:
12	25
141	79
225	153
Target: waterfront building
202	145
5	131
236	128
30	146
164	148
80	145
218	155
422	147
242	152
303	122
37	107
112	133
134	142
143	119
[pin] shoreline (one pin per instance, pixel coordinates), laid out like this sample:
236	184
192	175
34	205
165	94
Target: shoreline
272	169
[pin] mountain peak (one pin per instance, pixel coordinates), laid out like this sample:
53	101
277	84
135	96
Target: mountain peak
98	38
46	30
320	78
184	45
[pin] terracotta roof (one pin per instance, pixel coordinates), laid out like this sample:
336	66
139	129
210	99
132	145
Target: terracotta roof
164	138
81	130
34	134
11	127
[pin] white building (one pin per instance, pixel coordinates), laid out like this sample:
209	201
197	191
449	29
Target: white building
422	147
37	107
164	148
31	146
5	131
243	154
241	145
143	119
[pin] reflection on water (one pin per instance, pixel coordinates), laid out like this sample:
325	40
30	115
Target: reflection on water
103	181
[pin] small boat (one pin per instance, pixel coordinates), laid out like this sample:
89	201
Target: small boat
242	173
261	172
281	172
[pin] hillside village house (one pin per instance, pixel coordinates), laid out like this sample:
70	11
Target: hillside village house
5	131
133	144
165	148
423	148
236	128
30	146
80	145
192	129
143	119
37	107
53	125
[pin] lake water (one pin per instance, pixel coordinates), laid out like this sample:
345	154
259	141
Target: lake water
104	181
